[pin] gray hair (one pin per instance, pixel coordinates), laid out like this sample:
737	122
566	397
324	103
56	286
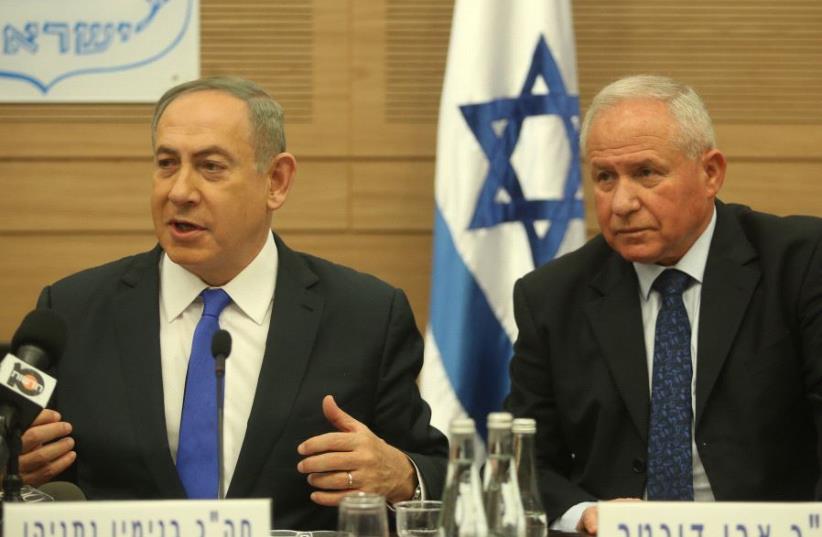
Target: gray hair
696	131
264	113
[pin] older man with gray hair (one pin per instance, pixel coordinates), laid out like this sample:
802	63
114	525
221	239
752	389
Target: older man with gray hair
678	354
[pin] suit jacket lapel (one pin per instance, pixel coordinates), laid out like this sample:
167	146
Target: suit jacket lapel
616	319
137	325
729	281
295	318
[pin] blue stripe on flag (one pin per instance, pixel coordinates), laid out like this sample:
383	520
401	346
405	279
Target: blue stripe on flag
474	347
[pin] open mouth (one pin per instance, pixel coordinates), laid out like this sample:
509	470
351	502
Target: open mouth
185	227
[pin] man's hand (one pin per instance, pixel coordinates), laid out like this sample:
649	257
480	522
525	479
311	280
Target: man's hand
373	465
589	521
47	449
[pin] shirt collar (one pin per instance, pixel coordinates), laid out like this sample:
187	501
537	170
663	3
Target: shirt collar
692	263
252	290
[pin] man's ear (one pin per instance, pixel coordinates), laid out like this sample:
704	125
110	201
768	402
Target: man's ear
713	166
280	175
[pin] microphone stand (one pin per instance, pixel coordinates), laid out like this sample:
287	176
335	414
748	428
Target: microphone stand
12	482
219	372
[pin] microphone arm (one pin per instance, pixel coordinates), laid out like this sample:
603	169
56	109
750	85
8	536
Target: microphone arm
220	349
220	379
12	482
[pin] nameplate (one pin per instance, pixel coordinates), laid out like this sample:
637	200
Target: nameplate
709	519
156	518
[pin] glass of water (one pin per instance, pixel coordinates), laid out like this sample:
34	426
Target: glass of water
363	514
418	518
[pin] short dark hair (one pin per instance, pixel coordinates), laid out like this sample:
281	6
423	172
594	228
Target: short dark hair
264	113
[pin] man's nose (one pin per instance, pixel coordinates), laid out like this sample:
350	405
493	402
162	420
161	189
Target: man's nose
625	199
184	190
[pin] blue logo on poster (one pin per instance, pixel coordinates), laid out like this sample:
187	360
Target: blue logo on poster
44	47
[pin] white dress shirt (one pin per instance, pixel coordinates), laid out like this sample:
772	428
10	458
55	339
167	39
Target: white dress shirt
246	318
693	264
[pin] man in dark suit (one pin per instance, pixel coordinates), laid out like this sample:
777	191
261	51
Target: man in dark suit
303	329
602	366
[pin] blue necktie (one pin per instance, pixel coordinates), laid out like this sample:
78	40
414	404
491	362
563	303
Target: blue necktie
197	448
670	466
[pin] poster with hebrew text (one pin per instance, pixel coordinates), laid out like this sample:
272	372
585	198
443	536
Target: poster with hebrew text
96	50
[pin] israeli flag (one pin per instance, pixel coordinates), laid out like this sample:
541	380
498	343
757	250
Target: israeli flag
508	192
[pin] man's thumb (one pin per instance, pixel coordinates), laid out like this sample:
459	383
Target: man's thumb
338	417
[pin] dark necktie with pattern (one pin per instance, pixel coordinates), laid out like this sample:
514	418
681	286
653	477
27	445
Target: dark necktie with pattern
197	448
670	461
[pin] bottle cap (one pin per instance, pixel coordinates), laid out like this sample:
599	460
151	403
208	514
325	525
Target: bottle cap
524	425
462	426
500	420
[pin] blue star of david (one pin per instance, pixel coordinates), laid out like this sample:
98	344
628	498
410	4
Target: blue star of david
501	175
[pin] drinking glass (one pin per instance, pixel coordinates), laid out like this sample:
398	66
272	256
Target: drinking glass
418	518
362	514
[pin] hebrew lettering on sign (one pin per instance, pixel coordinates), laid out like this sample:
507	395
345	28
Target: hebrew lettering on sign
96	49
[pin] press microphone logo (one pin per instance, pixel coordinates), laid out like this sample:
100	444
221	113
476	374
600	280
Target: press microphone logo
27	380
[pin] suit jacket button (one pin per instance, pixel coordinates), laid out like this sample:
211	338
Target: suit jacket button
638	466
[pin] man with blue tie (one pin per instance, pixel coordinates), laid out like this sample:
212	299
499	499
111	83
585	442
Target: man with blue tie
678	355
320	394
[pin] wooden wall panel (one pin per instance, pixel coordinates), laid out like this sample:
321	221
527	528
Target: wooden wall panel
778	142
235	41
753	62
59	138
89	196
319	198
58	196
779	187
399	49
393	195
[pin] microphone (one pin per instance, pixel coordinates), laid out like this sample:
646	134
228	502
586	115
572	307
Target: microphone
63	491
220	349
40	339
25	388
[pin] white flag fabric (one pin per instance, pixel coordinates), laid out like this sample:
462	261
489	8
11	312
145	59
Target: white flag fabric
508	192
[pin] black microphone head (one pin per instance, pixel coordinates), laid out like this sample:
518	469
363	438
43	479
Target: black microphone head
5	348
63	491
221	344
44	329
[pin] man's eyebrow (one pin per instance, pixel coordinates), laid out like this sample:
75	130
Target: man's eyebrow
214	150
598	164
210	150
166	149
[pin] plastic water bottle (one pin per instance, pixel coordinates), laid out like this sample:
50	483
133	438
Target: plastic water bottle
536	523
503	505
462	511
